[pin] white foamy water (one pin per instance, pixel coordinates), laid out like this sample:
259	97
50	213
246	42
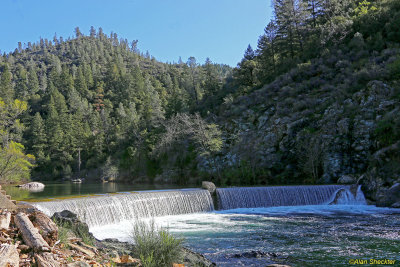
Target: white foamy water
292	232
114	208
271	220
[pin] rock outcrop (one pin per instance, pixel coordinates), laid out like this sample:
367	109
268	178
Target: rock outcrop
210	186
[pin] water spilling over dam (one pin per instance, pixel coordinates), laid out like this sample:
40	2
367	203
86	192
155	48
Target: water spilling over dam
111	209
254	197
114	208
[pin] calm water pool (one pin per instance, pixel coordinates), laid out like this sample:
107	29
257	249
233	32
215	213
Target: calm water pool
60	190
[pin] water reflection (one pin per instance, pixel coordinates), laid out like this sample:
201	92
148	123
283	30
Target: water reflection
56	190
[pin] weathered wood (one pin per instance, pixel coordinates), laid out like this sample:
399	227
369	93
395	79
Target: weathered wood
30	234
86	251
47	228
5	220
46	259
9	255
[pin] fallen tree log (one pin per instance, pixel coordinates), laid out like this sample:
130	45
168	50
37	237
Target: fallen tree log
46	259
30	234
5	218
9	255
47	228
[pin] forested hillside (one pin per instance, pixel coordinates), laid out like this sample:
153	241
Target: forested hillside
99	97
315	102
318	100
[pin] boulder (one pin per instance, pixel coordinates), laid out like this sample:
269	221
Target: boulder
33	186
71	221
191	258
210	186
346	179
389	197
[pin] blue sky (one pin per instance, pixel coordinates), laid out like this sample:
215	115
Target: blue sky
219	29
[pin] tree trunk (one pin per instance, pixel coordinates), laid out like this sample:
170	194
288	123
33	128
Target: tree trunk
46	259
30	234
47	228
8	255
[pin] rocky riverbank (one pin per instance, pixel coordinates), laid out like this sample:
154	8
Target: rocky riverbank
28	237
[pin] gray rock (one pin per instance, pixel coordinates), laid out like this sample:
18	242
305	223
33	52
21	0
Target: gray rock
388	197
210	186
396	205
33	186
71	221
191	258
346	179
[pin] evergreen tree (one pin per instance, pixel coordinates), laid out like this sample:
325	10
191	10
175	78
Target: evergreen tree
6	86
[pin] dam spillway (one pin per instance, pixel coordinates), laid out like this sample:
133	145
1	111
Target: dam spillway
125	206
272	196
114	208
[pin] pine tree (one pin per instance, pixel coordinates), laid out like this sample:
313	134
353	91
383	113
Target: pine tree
6	87
39	139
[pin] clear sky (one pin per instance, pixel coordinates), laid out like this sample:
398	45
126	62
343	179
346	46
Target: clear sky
218	29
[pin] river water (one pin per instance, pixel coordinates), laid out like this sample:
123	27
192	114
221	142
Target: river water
294	227
320	235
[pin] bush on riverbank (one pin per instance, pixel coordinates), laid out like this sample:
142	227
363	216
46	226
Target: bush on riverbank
155	246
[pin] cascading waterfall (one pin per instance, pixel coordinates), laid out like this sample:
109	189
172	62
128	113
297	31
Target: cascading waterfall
254	197
111	209
344	196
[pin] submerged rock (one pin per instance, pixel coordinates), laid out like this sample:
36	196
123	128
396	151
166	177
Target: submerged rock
255	254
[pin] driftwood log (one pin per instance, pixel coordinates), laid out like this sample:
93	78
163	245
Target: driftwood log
9	255
46	259
47	228
5	218
30	234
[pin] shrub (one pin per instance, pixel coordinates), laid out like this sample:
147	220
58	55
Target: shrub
155	246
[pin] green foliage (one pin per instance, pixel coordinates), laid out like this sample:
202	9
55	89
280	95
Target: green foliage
99	95
155	247
387	131
15	165
63	230
363	8
394	69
